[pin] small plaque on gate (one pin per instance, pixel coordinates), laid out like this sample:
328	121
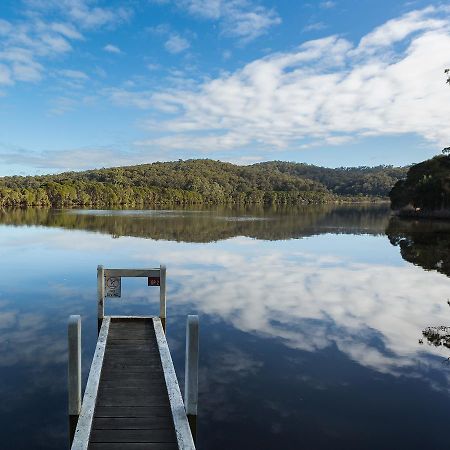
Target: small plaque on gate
154	281
113	286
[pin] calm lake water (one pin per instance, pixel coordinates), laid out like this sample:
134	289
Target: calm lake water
310	320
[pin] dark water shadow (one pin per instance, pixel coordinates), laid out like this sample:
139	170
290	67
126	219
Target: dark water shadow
424	243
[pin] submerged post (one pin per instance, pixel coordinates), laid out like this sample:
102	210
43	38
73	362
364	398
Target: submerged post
74	373
162	295
100	295
191	373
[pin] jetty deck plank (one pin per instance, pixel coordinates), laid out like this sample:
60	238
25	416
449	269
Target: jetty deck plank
132	400
132	377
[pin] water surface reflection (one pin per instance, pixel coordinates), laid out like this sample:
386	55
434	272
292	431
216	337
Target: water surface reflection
425	243
310	321
207	225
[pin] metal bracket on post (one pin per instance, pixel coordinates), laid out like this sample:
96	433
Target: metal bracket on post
162	296
191	372
100	295
74	373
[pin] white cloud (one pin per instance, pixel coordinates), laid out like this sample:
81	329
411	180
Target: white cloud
112	49
56	43
66	30
74	74
211	9
20	65
31	71
176	44
75	158
206	143
327	4
316	26
5	27
396	30
82	12
248	24
5	75
153	66
28	41
95	17
326	91
62	105
239	18
141	100
161	29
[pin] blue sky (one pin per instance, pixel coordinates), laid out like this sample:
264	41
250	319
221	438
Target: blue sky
87	83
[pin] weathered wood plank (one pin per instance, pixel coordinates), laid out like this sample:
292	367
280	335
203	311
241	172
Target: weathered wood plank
128	338
183	432
138	393
140	352
146	395
133	360
151	360
126	377
131	346
132	411
135	321
141	398
131	384
127	401
133	423
129	369
134	330
159	388
139	322
133	436
145	358
133	446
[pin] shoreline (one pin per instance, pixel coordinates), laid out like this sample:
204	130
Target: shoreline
206	205
441	214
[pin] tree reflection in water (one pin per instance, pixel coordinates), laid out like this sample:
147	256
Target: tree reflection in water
211	224
425	243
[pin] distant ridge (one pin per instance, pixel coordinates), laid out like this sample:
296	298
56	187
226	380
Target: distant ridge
200	181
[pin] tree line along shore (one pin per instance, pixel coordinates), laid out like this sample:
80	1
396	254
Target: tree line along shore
201	182
425	191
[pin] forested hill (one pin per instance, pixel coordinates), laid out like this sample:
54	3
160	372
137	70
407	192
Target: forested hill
371	181
425	190
199	181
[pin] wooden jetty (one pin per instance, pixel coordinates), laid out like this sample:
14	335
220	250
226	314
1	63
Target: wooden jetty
132	400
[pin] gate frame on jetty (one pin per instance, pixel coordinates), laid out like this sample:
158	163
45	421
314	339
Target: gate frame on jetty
81	413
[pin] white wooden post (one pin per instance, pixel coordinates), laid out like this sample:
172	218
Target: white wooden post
74	373
100	295
191	372
162	295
